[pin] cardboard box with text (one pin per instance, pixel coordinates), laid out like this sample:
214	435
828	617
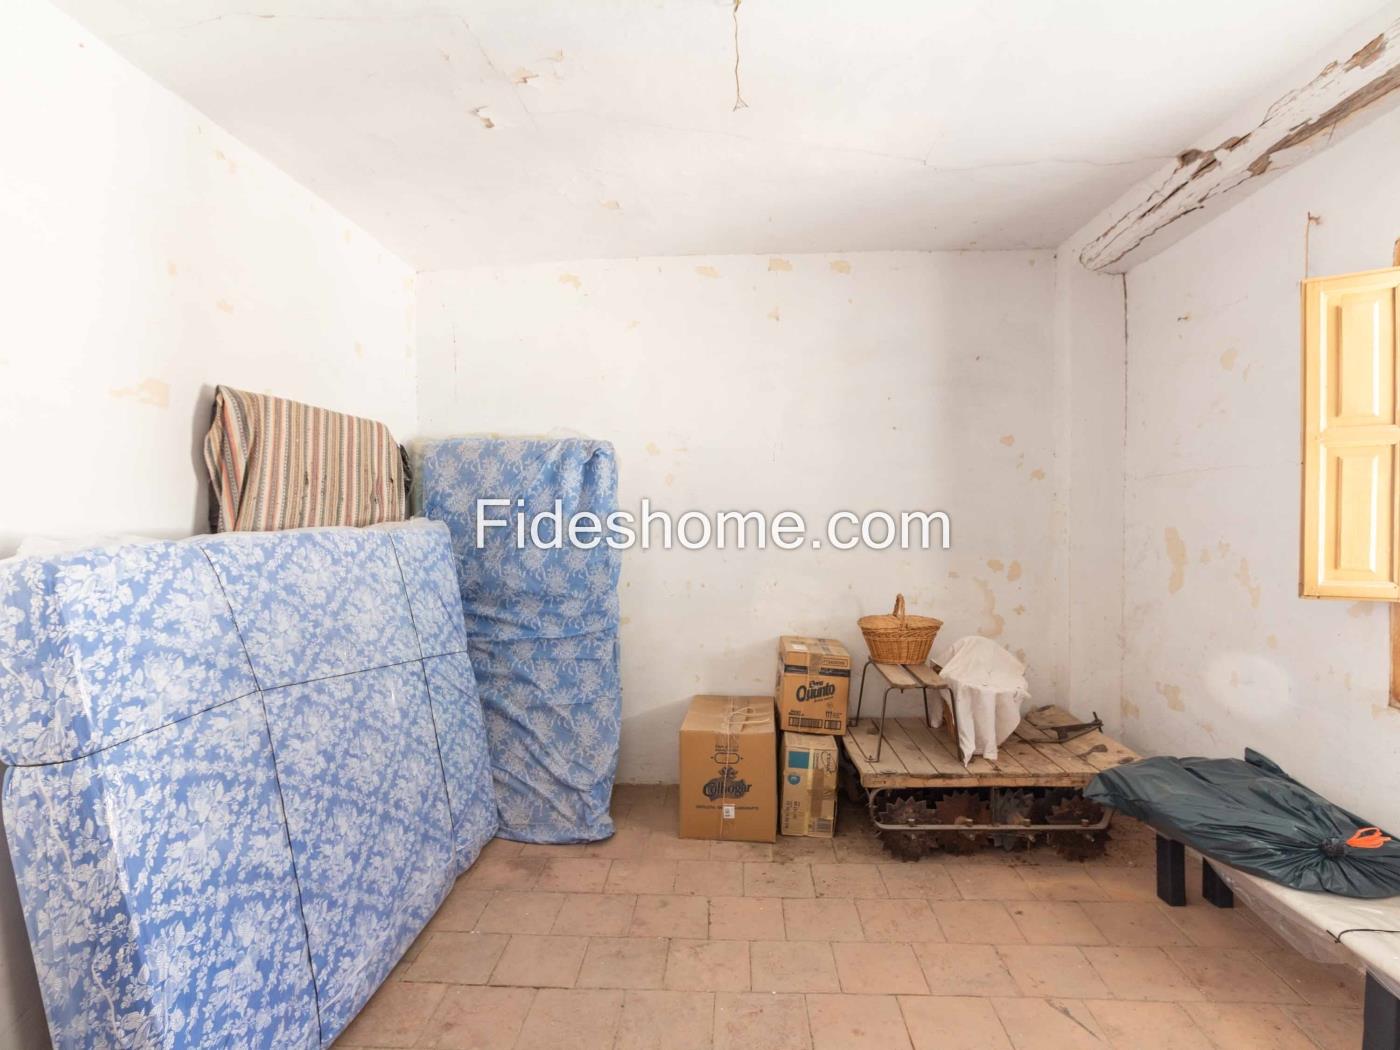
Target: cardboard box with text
729	774
814	685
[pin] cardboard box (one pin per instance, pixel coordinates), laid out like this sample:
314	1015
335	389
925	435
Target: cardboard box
814	685
729	769
809	785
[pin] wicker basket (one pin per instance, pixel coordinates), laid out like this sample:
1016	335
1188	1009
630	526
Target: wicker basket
899	638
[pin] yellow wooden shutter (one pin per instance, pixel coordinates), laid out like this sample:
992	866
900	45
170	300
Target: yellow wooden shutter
1351	437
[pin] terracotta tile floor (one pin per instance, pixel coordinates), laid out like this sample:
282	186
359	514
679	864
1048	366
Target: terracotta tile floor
650	942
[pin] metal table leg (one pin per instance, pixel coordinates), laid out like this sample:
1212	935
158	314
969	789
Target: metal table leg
1171	872
1214	888
860	697
884	706
1380	1018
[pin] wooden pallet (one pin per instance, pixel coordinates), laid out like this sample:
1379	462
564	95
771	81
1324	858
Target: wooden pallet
915	756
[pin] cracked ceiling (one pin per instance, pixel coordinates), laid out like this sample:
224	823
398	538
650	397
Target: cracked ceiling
466	132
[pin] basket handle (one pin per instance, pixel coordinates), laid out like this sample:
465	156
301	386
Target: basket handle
899	606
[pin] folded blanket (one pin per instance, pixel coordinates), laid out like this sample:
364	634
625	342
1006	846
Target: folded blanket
279	464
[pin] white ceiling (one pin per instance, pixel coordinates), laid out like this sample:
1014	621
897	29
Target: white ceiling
488	131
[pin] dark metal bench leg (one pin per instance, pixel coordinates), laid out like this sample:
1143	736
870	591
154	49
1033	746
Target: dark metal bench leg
1214	888
860	696
884	705
1381	1016
1171	871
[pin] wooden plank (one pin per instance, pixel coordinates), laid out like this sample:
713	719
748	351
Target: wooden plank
917	756
865	737
916	762
1044	743
1357	86
897	675
1096	748
926	675
935	749
1031	760
1006	762
1064	758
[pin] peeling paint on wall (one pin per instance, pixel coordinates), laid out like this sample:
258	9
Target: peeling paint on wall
1008	440
1248	582
707	271
1176	554
1013	571
840	266
996	624
1173	695
570	279
779	265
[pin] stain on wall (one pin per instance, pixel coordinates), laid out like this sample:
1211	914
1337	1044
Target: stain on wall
1303	681
1176	556
153	392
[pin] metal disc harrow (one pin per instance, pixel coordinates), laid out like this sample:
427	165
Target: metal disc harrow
915	821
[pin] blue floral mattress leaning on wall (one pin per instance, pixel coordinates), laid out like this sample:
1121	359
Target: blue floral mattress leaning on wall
245	770
542	625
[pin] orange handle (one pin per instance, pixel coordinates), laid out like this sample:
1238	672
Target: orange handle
1368	838
899	606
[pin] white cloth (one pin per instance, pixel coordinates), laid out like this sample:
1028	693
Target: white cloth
989	686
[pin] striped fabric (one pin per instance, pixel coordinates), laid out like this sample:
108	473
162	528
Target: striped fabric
279	464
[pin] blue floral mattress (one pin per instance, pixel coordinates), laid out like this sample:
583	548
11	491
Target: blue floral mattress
244	772
541	623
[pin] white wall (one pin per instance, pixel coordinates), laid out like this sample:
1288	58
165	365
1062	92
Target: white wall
1090	362
1221	653
872	381
145	256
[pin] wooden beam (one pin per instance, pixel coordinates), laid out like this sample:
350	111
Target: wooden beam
1347	93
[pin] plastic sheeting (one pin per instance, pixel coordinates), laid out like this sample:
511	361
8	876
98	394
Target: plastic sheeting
988	685
245	770
1251	815
542	624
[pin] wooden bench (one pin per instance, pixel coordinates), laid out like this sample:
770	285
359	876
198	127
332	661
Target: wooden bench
1364	934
